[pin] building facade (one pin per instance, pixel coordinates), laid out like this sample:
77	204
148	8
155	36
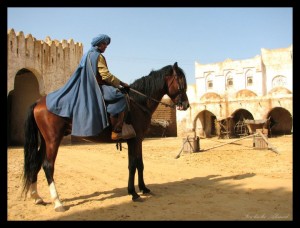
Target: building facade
254	89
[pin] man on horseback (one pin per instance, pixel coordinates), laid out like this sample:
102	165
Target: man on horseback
80	103
110	86
91	93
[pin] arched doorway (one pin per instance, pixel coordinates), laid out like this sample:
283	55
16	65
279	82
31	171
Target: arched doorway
26	91
281	121
205	124
239	128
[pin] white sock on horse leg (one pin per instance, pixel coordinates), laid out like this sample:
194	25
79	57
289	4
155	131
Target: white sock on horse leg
34	193
54	196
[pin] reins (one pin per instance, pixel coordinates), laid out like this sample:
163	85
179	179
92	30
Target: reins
138	92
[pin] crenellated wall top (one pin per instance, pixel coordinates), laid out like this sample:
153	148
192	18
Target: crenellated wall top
52	61
20	36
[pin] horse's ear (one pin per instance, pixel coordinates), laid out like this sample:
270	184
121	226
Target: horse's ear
175	66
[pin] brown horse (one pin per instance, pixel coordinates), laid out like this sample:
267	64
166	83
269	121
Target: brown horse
45	130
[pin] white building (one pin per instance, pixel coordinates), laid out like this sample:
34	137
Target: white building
254	89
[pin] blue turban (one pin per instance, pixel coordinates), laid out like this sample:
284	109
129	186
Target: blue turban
99	39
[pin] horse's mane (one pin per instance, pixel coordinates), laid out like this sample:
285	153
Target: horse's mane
152	83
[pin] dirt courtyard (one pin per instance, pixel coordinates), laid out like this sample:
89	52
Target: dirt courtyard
231	182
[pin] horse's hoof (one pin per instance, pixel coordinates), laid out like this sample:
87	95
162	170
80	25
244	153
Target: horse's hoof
60	209
148	193
138	199
39	201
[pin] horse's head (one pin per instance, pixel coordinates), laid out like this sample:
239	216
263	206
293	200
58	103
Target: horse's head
176	88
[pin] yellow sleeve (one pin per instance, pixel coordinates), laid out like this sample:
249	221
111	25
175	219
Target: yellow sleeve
105	74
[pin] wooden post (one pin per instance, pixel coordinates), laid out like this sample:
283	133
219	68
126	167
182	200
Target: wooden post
269	144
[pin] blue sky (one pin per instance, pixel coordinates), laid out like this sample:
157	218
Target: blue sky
145	39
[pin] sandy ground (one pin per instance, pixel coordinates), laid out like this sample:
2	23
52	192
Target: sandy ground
231	182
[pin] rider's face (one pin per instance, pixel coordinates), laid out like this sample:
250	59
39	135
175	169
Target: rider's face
102	47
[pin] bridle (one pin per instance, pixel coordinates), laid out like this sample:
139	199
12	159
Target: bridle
181	89
150	98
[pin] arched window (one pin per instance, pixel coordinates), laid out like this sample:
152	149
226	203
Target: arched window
209	82
249	78
229	80
279	80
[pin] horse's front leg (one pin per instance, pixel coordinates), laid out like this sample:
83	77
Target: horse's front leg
132	169
140	168
132	165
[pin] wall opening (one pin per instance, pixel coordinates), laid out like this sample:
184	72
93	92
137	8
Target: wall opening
204	124
25	92
281	122
239	127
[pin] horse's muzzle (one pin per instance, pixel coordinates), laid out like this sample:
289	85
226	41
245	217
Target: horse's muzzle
183	106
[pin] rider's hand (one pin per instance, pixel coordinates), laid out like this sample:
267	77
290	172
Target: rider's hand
124	87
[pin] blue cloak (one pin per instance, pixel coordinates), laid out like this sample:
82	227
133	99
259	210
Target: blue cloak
81	99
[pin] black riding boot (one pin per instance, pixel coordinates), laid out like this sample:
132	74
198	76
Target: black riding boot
117	123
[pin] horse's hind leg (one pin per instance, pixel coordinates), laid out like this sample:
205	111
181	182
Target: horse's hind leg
33	187
34	194
48	166
52	129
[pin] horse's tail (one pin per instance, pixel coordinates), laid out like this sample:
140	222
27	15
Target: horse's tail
32	155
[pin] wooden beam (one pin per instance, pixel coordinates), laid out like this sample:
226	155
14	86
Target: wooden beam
248	136
178	155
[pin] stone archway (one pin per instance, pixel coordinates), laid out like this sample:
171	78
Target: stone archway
238	127
281	121
25	92
204	124
241	114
